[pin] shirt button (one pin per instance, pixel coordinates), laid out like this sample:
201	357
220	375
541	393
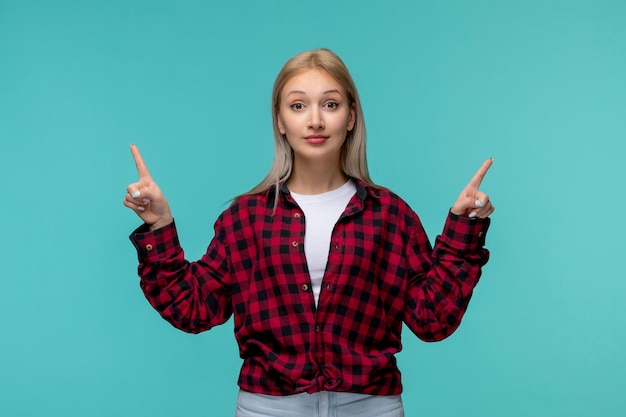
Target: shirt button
305	287
148	247
295	243
317	327
296	216
480	234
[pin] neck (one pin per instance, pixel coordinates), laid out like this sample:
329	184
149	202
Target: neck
315	178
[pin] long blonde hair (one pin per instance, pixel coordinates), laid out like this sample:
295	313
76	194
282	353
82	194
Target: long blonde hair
353	155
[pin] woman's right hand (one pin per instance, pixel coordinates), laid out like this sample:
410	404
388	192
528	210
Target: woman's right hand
145	198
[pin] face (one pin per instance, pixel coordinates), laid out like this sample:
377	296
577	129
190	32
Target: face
315	116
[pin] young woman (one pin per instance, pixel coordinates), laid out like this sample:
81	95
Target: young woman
318	265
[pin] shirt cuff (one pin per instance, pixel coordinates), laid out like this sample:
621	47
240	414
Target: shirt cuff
157	244
464	233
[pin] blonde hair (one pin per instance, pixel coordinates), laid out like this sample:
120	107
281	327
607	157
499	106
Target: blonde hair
353	155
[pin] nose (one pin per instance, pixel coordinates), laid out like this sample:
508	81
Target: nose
316	120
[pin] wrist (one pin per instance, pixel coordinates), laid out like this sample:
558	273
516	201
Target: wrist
455	210
161	223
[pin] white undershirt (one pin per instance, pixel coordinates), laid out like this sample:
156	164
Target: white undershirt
321	212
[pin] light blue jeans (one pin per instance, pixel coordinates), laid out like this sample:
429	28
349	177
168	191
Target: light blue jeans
319	404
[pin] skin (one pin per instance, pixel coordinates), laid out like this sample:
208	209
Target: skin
315	117
145	198
472	202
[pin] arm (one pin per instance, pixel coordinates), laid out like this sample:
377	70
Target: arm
192	296
443	278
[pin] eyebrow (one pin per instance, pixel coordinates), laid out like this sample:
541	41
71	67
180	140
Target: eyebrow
304	92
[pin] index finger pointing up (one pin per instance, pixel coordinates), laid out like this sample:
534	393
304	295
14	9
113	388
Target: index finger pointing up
141	165
480	174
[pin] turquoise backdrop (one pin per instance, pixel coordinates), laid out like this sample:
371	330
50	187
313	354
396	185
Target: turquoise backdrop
538	85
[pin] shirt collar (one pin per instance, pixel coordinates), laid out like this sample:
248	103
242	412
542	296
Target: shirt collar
362	189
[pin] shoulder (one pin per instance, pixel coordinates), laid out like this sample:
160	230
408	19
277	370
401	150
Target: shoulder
389	204
247	201
385	197
244	210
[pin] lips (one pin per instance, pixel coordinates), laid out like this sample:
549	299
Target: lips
316	139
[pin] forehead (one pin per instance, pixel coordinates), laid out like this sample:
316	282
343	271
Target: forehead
311	81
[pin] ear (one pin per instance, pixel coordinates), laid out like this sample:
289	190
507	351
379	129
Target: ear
279	123
352	117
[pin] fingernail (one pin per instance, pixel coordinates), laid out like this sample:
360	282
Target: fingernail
146	200
135	194
142	208
472	215
478	203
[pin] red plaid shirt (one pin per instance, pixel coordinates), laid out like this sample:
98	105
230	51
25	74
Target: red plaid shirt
381	272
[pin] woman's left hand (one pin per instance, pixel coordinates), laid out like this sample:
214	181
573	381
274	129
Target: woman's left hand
471	201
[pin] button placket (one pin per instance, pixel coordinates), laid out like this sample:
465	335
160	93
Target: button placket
297	215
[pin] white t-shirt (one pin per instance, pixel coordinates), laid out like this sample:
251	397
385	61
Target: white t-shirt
321	212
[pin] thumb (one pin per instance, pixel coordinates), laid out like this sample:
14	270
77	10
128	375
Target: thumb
466	206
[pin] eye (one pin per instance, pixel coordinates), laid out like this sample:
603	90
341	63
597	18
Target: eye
331	105
296	106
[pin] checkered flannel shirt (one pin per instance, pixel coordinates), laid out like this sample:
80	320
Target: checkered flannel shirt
381	272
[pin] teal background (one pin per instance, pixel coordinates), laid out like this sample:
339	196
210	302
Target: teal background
538	85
